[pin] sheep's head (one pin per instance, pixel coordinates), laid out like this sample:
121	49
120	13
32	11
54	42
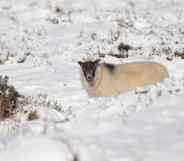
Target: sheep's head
89	69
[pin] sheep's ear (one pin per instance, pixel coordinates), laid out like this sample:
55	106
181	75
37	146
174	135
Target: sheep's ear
97	61
80	63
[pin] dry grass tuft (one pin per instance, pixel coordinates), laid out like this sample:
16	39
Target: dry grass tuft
8	98
33	116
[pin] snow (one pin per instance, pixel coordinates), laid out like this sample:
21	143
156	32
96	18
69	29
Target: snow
40	44
35	149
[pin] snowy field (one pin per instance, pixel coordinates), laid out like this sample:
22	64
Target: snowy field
40	44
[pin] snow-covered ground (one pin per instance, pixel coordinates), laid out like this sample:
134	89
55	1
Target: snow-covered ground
40	44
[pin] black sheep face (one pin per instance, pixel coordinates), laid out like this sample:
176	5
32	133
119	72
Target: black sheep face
89	69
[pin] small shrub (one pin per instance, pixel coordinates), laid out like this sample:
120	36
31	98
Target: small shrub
33	116
8	98
179	54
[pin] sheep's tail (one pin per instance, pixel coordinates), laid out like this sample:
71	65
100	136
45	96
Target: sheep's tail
165	73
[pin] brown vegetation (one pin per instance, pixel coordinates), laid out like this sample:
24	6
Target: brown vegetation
8	98
33	116
179	54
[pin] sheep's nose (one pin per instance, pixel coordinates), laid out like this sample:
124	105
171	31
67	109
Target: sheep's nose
89	77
